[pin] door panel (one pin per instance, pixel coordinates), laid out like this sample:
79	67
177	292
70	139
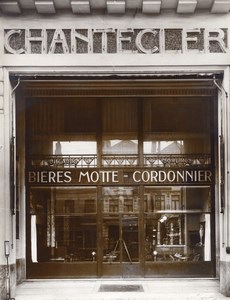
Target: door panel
120	232
130	241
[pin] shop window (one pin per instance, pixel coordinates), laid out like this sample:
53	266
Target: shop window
63	224
180	229
120	131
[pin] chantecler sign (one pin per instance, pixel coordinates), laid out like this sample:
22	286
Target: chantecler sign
112	40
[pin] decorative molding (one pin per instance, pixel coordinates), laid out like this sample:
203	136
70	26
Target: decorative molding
220	7
10	7
151	6
177	160
150	160
186	6
64	161
115	7
80	7
112	6
45	6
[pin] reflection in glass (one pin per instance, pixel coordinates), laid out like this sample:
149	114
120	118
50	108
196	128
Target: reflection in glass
130	239
74	147
120	200
178	224
111	246
163	147
63	224
116	146
177	198
178	237
120	224
119	152
75	238
120	239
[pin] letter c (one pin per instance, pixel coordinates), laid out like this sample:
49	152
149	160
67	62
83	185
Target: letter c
134	176
139	41
8	36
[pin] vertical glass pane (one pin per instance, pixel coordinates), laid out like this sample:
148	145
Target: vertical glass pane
49	119
111	238
130	239
75	238
120	224
184	237
177	126
120	132
63	224
178	224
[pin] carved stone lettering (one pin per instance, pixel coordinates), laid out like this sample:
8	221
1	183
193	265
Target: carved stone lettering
111	40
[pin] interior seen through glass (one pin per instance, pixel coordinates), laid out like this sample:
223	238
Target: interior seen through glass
64	224
127	221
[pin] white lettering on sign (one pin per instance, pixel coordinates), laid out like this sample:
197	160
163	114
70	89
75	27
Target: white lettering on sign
118	177
130	40
49	177
97	176
184	176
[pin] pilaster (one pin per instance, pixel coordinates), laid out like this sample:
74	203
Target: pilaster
2	188
2	169
225	222
1	90
7	220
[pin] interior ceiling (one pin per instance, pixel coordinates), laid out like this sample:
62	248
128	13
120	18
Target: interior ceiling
113	6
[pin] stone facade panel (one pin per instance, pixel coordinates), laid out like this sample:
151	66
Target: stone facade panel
21	270
2	282
1	104
1	88
1	74
224	278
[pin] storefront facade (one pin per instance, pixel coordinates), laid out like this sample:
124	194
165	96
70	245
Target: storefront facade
125	191
114	140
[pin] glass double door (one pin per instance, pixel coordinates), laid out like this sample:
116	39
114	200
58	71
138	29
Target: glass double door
121	253
121	232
